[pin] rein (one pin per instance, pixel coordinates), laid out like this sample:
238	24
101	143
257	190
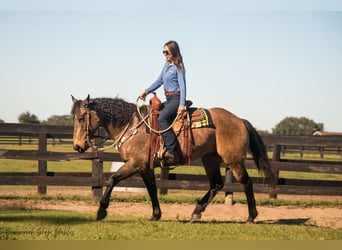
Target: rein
159	132
114	143
120	140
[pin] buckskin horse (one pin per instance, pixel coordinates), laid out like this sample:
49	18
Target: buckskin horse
228	141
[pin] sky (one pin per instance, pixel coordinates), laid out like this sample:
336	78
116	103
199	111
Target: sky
261	60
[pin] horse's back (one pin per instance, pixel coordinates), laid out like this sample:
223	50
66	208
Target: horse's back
226	120
231	135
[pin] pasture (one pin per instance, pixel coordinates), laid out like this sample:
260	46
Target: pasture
69	212
74	218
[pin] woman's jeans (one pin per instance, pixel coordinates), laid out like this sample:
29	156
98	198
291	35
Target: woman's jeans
165	119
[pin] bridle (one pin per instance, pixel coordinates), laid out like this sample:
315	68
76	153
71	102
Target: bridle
86	113
119	141
89	128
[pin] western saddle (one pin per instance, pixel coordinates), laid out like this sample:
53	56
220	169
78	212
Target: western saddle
192	118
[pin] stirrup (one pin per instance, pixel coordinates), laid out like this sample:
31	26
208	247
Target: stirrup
159	160
161	163
161	152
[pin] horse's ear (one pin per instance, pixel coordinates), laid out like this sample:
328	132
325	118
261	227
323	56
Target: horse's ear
86	102
74	100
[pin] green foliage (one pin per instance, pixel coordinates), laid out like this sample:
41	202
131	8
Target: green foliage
263	132
2	121
297	126
27	117
61	120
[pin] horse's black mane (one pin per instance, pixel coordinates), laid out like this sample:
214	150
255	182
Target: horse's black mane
115	110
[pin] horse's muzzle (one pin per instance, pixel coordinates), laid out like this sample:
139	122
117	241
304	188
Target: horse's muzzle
79	149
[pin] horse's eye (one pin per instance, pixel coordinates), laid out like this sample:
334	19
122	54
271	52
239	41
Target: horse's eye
81	119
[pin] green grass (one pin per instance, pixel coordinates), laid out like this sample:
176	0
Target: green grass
312	157
62	225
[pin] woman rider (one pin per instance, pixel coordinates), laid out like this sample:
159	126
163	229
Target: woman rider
173	79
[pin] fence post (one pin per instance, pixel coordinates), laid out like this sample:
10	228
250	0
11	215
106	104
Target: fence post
321	151
97	171
302	151
164	175
42	164
228	199
275	157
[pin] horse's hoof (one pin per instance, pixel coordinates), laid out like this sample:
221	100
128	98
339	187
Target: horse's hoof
101	214
251	218
195	217
155	217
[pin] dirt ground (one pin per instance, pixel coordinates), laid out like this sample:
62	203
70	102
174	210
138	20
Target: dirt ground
322	217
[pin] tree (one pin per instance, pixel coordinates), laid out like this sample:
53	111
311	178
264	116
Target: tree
61	120
27	117
2	121
263	132
297	126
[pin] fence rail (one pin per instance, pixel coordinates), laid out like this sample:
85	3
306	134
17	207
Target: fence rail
166	180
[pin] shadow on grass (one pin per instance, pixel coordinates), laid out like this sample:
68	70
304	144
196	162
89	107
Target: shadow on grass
42	216
296	221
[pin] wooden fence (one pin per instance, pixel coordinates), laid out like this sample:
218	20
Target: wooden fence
96	179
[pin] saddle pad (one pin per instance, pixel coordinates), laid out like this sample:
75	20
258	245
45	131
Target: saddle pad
200	118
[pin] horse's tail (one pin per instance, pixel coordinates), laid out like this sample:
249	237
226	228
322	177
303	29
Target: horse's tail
259	153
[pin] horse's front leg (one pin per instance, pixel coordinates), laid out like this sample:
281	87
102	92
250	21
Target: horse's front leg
127	170
150	183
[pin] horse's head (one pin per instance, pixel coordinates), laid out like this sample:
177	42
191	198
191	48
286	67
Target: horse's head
86	122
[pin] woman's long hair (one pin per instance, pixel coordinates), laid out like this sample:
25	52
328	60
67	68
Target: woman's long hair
176	54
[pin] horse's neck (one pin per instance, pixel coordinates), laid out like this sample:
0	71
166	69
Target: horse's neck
114	131
113	122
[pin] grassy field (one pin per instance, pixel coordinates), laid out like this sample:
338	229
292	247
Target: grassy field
62	225
23	223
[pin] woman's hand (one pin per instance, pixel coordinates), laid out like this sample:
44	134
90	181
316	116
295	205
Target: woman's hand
143	95
181	110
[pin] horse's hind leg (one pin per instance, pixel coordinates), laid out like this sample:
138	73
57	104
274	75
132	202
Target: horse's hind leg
246	184
212	167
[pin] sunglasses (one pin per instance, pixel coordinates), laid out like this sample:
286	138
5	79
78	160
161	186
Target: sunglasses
165	52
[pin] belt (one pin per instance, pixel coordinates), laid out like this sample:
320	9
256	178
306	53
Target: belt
170	93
